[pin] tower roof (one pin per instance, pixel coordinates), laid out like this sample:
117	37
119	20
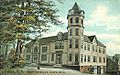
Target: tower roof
76	8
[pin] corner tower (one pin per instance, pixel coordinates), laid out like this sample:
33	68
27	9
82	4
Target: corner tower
75	32
75	26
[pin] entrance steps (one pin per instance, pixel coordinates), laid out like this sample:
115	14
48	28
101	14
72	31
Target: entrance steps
57	65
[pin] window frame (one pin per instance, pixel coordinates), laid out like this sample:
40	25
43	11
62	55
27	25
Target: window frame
70	56
44	57
71	32
76	31
71	20
70	43
77	20
76	43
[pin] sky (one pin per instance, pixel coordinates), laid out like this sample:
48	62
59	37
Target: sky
102	18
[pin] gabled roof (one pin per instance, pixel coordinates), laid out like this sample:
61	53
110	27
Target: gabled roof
65	36
86	39
46	40
52	38
100	44
91	38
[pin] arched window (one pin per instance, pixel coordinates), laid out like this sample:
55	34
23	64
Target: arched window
77	20
76	43
71	20
76	31
82	22
70	32
36	49
70	43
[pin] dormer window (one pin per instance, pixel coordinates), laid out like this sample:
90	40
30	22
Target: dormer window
36	49
71	12
71	20
60	35
77	20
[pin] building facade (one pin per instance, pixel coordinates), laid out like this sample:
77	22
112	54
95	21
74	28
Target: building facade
69	49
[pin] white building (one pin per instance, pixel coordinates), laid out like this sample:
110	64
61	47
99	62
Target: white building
71	49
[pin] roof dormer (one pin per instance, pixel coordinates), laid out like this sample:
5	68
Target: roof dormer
60	36
75	10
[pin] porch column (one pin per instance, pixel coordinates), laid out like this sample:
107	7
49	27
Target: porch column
102	70
95	69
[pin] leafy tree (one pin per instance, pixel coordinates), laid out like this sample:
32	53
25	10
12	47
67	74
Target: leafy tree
111	65
19	18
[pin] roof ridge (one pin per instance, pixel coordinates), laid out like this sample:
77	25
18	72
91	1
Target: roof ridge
48	37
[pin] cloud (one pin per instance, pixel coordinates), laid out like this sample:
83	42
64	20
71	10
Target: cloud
101	17
54	29
113	48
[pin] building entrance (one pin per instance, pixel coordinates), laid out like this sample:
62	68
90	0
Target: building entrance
58	58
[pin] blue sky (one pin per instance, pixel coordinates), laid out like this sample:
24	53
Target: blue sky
102	18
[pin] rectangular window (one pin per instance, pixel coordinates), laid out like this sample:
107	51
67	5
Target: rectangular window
44	49
84	58
103	50
52	57
94	59
88	47
100	60
70	43
76	43
76	32
56	46
44	57
96	48
103	59
59	45
70	32
88	58
81	58
76	56
35	58
93	48
81	45
70	57
99	50
27	57
85	46
77	20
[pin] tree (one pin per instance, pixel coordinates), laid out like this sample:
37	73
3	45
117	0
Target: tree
111	65
19	18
